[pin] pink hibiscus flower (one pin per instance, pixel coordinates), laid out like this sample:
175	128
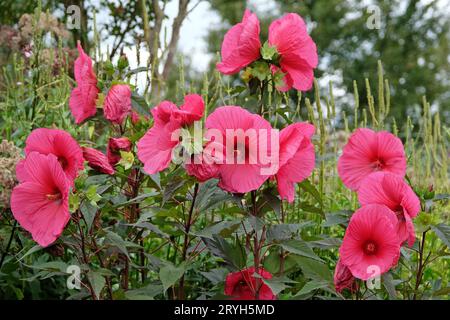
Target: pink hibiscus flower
40	202
56	142
115	145
371	245
117	103
297	50
368	151
242	167
343	278
241	45
97	160
242	285
297	158
82	98
392	191
155	147
202	166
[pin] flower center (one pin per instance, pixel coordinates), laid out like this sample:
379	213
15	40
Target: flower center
63	162
53	197
379	165
370	248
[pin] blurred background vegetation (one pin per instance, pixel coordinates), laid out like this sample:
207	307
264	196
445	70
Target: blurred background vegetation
412	41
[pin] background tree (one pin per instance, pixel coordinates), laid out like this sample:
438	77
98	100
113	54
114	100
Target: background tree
412	43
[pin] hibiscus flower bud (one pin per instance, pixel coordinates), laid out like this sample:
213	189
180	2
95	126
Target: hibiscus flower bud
117	103
343	278
115	145
97	160
202	167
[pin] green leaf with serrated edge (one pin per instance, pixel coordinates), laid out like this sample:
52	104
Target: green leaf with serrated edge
299	247
268	52
89	211
442	230
312	286
97	282
170	274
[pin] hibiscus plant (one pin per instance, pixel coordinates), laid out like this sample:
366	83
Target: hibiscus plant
230	192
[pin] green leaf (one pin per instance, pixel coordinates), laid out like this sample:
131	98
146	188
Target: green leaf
336	218
260	70
313	269
34	249
172	186
267	51
388	283
328	243
210	196
89	211
216	276
312	286
307	186
115	240
92	194
97	281
169	274
223	228
299	247
442	230
276	284
234	255
280	232
146	293
139	104
126	159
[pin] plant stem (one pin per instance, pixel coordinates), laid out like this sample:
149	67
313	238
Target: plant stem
187	228
8	246
84	255
421	265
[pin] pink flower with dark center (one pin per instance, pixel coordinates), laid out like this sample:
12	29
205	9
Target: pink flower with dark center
367	152
243	285
241	45
155	147
242	134
56	142
83	98
117	103
115	145
371	245
297	158
343	278
40	202
97	161
298	52
392	191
